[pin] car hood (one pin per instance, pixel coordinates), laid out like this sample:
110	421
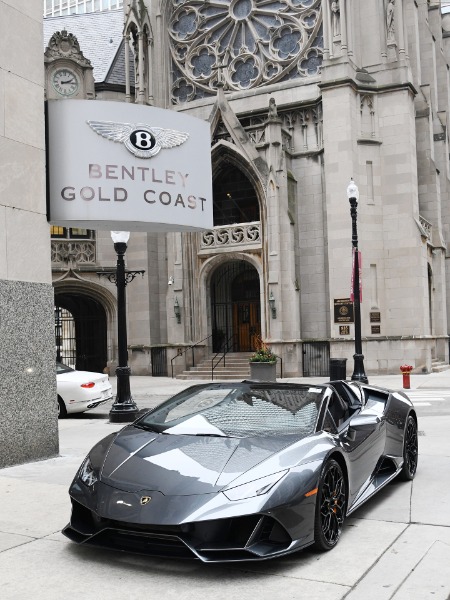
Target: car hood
182	465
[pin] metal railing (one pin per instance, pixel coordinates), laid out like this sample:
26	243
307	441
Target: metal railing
192	348
281	365
215	362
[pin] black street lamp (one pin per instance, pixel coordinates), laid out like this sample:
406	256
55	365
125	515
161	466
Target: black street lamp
124	409
358	369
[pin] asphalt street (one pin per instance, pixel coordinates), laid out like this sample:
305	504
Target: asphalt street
396	546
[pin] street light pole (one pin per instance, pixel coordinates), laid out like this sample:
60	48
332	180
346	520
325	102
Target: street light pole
123	409
358	358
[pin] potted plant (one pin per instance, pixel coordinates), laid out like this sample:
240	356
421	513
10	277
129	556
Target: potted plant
263	363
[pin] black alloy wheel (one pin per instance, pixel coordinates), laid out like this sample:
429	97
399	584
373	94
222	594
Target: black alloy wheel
410	450
331	505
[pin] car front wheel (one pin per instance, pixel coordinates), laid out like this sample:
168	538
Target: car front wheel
331	506
410	450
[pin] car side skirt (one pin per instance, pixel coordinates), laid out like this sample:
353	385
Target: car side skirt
388	469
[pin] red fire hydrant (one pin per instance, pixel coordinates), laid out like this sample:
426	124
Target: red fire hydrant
406	372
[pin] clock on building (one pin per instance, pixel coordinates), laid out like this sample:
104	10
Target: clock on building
65	81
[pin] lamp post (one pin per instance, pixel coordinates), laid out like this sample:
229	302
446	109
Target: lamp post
123	409
358	358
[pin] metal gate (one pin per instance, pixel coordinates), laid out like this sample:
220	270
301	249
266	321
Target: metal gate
65	337
159	362
316	359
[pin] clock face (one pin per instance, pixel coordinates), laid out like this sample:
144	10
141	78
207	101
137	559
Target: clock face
65	82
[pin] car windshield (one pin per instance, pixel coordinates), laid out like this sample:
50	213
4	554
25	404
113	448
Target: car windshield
238	410
60	368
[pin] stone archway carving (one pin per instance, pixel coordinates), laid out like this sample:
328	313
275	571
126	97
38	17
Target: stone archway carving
206	274
73	294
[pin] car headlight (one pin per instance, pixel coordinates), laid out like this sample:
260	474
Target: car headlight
254	488
87	473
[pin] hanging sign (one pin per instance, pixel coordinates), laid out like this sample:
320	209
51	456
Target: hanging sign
352	294
121	166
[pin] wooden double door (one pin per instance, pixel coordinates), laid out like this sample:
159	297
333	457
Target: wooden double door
236	307
246	325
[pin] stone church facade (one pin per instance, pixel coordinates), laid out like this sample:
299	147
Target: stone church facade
301	96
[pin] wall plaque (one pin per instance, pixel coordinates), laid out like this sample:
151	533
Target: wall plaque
376	329
375	317
343	310
344	329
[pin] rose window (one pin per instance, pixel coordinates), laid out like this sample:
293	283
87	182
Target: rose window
243	43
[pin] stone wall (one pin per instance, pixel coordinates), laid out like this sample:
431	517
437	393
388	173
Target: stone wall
28	427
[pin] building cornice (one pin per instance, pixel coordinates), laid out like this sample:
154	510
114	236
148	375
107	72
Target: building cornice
369	88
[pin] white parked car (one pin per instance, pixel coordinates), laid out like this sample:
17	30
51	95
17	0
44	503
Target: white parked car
80	390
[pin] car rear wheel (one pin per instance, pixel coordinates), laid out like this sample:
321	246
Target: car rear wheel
331	506
62	412
410	450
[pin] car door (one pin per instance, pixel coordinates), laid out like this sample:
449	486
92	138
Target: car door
363	439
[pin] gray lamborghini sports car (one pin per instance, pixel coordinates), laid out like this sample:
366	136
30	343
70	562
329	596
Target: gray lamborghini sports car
243	471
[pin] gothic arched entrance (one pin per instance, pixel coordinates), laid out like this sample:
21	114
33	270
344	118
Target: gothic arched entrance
80	332
235	306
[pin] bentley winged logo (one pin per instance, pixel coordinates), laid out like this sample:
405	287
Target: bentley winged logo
141	140
145	500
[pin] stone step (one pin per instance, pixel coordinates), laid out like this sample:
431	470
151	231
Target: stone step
207	366
236	367
235	362
242	355
439	366
204	370
227	359
203	377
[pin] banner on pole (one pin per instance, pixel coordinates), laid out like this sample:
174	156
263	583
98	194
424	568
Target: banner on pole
352	295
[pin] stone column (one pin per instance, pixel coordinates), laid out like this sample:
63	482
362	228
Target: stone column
149	67
127	68
400	27
273	225
327	36
344	24
141	91
280	236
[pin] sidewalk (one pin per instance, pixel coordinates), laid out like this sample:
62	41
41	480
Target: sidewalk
395	547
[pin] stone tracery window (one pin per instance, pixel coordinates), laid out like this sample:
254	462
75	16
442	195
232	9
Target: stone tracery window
244	43
235	199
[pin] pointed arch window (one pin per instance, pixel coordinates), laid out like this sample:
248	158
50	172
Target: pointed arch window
235	199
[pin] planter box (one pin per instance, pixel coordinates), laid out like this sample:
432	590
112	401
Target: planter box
263	371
